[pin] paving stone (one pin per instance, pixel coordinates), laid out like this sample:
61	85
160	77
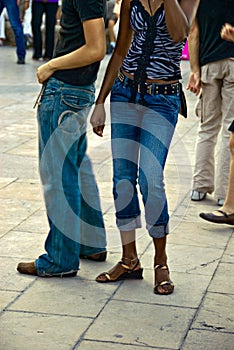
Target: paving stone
26	331
28	149
19	166
198	236
141	324
6	181
189	259
6	297
71	296
19	190
13	212
208	340
11	280
223	279
189	290
216	313
88	345
37	222
228	256
23	245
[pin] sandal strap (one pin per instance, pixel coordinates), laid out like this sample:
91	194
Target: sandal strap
161	267
107	275
127	267
222	212
164	283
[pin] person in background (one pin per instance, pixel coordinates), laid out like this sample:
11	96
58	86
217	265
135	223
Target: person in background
111	21
143	77
227	32
2	27
12	7
39	8
226	214
212	73
70	190
26	16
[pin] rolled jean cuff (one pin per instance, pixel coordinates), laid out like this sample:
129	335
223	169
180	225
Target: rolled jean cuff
46	269
158	231
129	224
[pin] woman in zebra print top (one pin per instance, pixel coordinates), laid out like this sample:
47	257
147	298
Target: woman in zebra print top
143	77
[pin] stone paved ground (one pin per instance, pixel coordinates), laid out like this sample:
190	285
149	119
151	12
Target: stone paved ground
78	313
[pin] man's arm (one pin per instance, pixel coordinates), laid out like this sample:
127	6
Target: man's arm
194	83
94	50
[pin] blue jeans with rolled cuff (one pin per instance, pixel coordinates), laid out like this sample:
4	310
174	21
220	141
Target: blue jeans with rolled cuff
141	134
69	186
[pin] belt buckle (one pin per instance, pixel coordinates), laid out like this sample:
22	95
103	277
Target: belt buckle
149	88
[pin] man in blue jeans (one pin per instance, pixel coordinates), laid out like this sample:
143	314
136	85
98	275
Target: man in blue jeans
14	18
70	191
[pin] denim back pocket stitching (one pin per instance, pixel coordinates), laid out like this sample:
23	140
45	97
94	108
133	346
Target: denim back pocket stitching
78	102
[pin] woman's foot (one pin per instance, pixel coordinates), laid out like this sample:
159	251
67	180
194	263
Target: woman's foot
124	269
163	284
219	217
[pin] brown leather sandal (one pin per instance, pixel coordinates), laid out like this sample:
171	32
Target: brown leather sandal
132	271
163	283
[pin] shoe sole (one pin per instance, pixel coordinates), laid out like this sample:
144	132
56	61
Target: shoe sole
60	275
216	222
134	275
101	258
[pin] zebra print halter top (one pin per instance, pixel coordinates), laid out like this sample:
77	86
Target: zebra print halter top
164	58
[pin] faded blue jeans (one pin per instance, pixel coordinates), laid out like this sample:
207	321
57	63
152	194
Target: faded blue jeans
141	135
70	190
14	18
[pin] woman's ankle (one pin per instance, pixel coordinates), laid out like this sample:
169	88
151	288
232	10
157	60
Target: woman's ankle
160	260
132	261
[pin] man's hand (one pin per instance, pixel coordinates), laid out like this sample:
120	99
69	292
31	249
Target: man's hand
44	72
97	119
194	83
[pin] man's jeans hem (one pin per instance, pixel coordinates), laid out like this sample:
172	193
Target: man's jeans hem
86	250
129	224
52	270
158	231
59	274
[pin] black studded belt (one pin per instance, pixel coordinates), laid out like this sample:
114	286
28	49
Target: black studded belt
151	88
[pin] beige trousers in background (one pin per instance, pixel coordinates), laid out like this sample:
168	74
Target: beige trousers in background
216	110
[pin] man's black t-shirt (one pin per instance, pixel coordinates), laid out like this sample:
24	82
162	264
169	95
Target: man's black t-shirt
211	16
71	37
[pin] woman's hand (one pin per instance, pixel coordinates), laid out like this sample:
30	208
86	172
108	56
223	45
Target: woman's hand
44	72
194	83
98	118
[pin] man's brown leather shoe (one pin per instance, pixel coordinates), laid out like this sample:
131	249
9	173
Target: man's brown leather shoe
30	269
95	257
27	268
